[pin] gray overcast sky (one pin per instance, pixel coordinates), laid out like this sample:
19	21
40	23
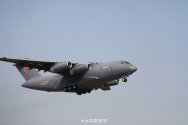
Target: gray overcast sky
153	35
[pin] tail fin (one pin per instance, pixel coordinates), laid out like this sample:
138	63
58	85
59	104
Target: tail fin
28	73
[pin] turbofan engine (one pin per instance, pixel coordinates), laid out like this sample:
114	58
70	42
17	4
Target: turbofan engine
60	67
80	68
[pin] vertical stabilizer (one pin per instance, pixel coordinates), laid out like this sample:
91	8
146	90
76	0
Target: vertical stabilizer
28	73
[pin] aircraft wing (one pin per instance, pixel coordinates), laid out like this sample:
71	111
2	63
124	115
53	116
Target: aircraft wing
40	65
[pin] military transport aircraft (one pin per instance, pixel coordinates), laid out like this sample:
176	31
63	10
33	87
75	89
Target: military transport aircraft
72	77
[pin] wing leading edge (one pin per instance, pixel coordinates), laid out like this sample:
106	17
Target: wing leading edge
62	68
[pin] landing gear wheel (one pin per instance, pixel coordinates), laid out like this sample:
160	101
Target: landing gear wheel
88	91
78	92
124	80
84	92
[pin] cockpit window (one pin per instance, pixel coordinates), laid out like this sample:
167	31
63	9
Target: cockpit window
124	62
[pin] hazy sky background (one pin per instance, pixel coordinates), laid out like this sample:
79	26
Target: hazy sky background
153	35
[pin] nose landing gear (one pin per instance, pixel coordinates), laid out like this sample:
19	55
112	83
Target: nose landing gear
124	79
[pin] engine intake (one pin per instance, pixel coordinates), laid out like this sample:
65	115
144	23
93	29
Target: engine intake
60	67
80	68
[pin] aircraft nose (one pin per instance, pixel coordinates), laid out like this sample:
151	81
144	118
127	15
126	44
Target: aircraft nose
133	68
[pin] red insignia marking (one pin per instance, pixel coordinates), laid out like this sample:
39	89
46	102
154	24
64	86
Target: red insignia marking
25	68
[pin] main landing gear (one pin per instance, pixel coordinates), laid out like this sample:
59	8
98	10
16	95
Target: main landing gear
77	90
84	91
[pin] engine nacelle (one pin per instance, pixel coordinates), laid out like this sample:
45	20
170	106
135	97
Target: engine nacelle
80	68
112	83
60	67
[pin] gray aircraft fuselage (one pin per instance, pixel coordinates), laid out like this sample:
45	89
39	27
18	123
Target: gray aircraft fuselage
99	75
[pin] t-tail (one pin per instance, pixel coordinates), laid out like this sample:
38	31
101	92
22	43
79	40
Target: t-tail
27	73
